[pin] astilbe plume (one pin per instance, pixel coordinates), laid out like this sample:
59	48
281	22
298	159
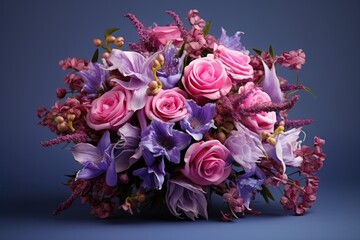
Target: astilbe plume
179	23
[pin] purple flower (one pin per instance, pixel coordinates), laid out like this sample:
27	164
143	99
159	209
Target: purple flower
153	175
232	42
271	84
135	72
245	147
247	186
186	196
127	150
96	160
286	144
199	120
161	139
170	72
94	79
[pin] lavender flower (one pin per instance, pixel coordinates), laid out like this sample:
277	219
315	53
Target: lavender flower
96	160
199	120
245	147
135	72
127	150
161	139
186	196
271	84
232	42
94	79
286	144
170	72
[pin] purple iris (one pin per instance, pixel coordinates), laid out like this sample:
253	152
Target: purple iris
96	160
199	120
153	175
161	139
170	72
247	185
232	42
94	79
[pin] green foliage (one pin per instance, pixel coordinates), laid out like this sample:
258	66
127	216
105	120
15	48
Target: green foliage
95	56
207	28
266	194
110	31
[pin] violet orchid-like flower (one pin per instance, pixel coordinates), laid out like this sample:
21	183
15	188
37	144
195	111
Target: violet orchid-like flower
96	160
161	139
232	42
187	197
136	74
127	150
245	147
247	185
199	119
271	84
283	151
169	74
94	79
153	175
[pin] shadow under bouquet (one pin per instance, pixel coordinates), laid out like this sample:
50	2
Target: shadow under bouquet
180	116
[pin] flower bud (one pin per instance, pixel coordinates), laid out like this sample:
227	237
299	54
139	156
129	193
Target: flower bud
97	42
63	127
60	93
110	39
153	85
59	119
105	55
71	117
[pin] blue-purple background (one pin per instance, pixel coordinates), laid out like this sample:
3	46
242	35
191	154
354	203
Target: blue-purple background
36	34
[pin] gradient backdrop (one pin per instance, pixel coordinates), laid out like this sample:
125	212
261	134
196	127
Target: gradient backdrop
36	34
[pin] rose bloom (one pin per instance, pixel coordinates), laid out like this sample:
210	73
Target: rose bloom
237	63
206	79
162	34
260	122
205	163
111	110
168	105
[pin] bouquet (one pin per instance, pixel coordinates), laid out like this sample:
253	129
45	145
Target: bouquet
181	116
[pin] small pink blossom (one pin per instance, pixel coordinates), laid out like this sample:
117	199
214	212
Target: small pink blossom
293	59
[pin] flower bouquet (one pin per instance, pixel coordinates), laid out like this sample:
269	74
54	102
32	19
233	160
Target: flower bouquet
179	117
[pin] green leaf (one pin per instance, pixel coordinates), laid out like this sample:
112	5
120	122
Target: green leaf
257	51
271	52
181	51
266	194
95	56
308	90
109	31
207	28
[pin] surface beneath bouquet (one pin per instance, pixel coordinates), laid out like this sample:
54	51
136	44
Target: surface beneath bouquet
179	117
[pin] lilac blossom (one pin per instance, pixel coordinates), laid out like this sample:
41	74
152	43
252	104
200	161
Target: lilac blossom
94	79
169	74
232	42
96	160
199	119
187	197
286	144
136	74
271	84
127	150
161	139
245	147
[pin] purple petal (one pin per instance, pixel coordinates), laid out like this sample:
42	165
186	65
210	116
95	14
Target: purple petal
104	142
88	173
85	152
111	176
271	84
139	98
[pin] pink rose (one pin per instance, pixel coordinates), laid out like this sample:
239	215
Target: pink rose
206	79
260	122
162	34
168	105
111	110
237	63
205	163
